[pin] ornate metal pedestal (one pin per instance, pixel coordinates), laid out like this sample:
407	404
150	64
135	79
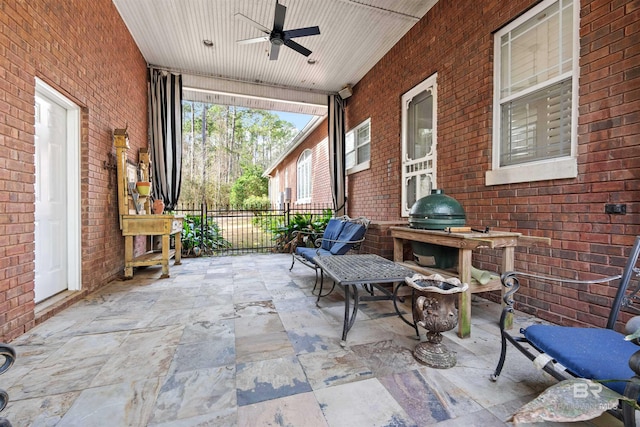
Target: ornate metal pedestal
434	309
8	356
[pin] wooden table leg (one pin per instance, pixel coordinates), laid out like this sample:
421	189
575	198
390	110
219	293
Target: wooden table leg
178	255
507	265
128	257
464	300
398	250
165	256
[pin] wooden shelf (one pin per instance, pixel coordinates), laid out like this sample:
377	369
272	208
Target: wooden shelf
150	258
474	287
142	222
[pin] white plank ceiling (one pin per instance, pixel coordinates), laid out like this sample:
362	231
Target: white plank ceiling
354	36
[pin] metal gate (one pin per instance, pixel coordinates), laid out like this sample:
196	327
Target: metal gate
231	231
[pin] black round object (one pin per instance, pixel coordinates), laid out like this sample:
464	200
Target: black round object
436	212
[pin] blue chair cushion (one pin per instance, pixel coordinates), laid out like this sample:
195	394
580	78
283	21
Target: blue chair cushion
351	232
592	353
310	253
331	232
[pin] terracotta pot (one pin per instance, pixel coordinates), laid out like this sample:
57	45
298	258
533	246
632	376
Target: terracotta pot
158	206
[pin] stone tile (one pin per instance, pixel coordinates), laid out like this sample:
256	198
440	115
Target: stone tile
124	404
315	339
303	319
252	308
165	353
264	346
297	410
208	330
58	377
203	355
248	326
269	379
427	397
362	403
385	357
304	303
125	366
334	367
85	346
45	411
472	375
189	395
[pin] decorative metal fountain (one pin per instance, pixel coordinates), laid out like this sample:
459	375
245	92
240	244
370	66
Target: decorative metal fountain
434	309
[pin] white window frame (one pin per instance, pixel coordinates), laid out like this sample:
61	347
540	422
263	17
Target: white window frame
303	181
419	166
360	164
546	169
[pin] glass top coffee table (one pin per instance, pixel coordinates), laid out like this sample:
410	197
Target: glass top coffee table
349	271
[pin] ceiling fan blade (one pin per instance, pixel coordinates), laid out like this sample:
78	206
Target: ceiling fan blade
297	47
253	23
302	32
275	50
254	40
278	20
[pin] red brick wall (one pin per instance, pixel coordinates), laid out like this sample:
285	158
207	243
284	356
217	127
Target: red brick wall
455	40
320	181
84	51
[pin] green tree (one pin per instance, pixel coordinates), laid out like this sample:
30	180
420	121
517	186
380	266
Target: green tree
250	184
218	140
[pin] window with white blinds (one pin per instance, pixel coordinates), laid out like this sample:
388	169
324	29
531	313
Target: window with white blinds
535	101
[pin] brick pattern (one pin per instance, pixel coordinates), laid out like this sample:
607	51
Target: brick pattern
84	51
455	39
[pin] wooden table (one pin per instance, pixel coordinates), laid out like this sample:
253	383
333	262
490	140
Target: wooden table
349	271
466	243
152	225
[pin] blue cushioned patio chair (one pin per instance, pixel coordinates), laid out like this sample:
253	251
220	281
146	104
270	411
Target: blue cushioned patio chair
591	353
341	235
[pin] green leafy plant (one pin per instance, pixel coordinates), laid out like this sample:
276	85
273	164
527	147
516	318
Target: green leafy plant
282	227
202	240
255	203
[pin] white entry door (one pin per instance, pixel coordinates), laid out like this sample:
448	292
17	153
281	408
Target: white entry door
54	223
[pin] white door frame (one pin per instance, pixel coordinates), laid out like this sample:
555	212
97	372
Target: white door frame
74	242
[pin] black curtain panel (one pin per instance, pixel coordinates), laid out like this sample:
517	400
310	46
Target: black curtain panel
165	129
336	153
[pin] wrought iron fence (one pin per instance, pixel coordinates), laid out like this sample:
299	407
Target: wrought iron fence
240	231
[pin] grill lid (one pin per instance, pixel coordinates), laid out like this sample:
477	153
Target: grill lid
436	212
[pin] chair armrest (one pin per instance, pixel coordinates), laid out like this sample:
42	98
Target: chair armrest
302	236
512	284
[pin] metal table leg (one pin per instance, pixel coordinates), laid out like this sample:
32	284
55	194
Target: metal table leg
349	315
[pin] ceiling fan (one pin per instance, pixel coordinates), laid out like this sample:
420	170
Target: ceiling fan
278	36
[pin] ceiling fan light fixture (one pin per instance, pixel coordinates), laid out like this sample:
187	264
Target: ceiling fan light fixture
207	43
278	36
311	61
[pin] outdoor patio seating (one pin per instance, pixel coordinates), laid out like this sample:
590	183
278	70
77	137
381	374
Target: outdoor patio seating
341	235
599	354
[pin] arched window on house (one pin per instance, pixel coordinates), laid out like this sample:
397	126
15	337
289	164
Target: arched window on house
303	184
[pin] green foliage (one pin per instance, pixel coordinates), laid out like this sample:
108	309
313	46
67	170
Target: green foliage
253	203
311	226
199	240
218	140
250	184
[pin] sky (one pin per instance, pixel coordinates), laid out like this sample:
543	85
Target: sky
299	120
